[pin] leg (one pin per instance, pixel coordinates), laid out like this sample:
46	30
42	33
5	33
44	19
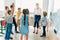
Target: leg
44	32
1	27
19	27
6	32
34	26
18	24
35	19
14	22
21	38
26	37
39	17
34	30
37	27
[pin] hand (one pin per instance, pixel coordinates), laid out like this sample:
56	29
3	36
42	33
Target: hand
41	24
2	17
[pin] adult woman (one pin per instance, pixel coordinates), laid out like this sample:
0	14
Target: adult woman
37	17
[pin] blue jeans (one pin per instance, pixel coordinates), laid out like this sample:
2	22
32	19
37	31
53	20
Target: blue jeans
36	20
8	31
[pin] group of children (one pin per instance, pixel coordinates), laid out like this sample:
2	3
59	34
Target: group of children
24	28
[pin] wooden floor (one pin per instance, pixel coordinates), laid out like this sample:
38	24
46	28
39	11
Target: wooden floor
32	36
50	34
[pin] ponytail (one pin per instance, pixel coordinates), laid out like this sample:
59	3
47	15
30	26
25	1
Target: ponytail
24	12
24	19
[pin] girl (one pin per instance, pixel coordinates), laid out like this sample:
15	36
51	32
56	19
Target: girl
24	30
9	20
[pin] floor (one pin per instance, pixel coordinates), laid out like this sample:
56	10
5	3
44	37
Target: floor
32	36
50	35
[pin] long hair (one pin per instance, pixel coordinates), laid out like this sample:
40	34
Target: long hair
25	11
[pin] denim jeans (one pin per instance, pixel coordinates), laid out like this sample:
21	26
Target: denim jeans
8	31
36	20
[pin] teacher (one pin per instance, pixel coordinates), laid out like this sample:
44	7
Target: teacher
37	17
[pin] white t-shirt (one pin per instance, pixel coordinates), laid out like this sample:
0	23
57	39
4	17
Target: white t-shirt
44	21
37	11
9	18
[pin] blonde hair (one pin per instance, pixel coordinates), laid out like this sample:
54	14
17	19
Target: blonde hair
37	3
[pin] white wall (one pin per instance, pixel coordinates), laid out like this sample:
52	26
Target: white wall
45	5
30	4
1	5
56	5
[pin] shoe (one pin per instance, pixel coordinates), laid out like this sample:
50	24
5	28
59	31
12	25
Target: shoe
33	32
11	38
43	36
16	32
12	33
2	32
55	31
36	32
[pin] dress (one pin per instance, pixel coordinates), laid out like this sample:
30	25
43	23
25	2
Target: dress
24	28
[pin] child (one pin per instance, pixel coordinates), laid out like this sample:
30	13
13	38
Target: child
18	17
44	23
14	22
24	30
6	9
9	20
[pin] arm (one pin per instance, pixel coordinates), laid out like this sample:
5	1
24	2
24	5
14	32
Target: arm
41	12
20	15
41	22
12	12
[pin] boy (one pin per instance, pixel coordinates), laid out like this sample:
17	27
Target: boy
44	23
14	22
18	17
9	20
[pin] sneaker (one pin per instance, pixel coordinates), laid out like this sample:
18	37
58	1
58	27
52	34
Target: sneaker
12	33
2	32
11	38
33	32
16	32
43	36
36	32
